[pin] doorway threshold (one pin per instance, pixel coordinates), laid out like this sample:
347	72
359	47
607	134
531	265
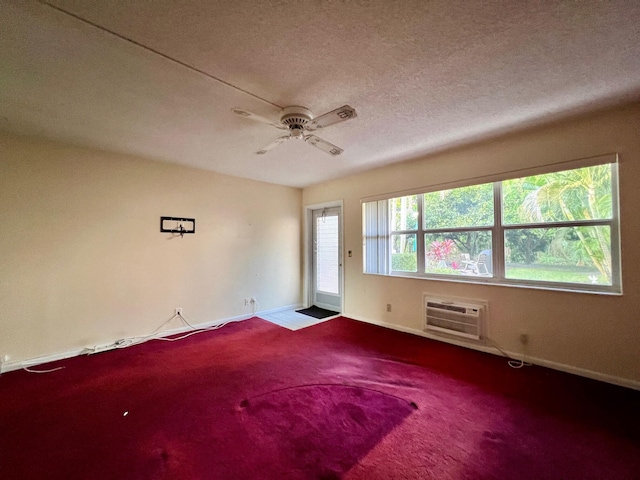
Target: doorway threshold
293	320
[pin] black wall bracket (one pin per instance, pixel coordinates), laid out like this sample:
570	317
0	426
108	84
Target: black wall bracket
179	225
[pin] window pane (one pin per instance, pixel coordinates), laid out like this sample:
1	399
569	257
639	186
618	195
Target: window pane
567	254
461	207
459	253
404	213
581	194
404	257
327	254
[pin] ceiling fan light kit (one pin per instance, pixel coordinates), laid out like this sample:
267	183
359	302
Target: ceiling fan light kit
298	120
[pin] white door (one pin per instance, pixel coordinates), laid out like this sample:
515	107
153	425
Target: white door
327	259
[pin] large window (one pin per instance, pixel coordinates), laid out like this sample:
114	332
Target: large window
552	230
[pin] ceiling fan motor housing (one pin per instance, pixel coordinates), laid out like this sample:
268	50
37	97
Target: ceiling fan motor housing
295	118
298	120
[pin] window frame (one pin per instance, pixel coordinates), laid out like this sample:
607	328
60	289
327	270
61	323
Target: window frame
416	232
498	231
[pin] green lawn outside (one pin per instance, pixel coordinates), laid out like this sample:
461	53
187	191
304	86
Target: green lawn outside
545	273
553	274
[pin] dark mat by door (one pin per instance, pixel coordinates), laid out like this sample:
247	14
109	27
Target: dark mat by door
317	312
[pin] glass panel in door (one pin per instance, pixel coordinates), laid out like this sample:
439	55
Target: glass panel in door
327	258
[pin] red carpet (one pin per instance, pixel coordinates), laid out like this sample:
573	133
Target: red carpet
341	399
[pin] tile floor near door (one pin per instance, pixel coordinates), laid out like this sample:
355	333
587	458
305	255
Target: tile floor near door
293	320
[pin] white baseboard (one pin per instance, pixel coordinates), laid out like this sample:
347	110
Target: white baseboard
32	362
483	347
294	306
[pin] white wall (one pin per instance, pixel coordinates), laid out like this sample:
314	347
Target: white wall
83	261
595	335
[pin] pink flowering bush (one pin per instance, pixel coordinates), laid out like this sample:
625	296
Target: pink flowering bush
439	251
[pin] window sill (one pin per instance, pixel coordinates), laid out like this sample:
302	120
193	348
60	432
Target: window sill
491	281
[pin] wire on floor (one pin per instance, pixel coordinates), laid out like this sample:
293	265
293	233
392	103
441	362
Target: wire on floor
154	335
512	362
30	370
128	342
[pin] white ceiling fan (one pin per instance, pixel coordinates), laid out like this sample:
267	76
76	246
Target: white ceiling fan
298	120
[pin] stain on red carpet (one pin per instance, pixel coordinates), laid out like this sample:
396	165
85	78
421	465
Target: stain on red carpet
323	430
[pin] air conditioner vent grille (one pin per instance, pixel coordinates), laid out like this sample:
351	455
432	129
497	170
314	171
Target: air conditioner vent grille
455	318
447	306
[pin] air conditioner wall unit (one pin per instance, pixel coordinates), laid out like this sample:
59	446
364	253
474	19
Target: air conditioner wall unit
459	317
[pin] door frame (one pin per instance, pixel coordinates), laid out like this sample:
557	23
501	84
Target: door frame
307	251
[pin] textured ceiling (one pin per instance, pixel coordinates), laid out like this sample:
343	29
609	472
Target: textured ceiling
159	78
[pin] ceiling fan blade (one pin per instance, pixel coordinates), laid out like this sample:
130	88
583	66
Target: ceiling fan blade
334	116
273	144
323	145
244	113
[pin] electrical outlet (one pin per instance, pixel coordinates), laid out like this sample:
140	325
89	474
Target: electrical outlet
524	338
247	302
388	307
178	311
